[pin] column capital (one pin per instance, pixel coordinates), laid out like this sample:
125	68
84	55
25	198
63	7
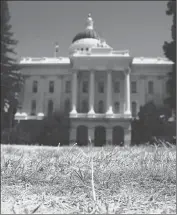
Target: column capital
127	71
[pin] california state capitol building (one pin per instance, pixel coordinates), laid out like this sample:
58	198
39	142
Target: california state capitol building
101	88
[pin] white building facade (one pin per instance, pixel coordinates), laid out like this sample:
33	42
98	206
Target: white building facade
101	88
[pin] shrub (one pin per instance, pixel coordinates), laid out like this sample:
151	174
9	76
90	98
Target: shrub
54	129
152	122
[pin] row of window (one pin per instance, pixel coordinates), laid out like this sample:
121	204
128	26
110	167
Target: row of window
85	87
33	107
84	107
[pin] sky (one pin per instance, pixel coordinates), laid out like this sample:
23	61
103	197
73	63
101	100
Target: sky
139	26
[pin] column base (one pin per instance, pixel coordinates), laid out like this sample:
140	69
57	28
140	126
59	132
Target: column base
73	113
91	113
127	112
109	113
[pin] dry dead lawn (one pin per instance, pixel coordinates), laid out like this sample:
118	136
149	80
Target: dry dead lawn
57	180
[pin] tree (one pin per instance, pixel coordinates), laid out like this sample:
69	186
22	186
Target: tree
54	129
170	52
152	122
11	78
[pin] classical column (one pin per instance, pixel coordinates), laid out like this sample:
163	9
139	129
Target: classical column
40	108
109	93
91	93
142	90
108	136
73	135
127	91
91	131
74	93
127	135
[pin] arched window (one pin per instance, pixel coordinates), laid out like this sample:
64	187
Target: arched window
84	108
67	106
116	107
150	87
134	107
101	107
101	87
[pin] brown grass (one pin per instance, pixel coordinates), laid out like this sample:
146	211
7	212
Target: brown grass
68	180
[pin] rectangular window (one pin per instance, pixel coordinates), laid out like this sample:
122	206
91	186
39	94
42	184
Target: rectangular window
85	87
150	87
51	86
35	86
134	107
33	107
101	87
67	106
117	87
133	87
68	87
50	107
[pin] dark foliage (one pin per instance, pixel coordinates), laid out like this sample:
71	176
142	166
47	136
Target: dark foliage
11	79
54	130
50	131
152	122
169	49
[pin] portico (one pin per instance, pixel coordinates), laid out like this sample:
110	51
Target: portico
107	120
109	109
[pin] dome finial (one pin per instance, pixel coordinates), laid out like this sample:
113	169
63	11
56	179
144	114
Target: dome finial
89	23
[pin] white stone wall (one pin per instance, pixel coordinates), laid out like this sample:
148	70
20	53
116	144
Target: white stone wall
60	74
44	75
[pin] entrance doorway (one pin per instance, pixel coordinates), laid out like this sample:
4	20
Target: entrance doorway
100	136
82	135
118	136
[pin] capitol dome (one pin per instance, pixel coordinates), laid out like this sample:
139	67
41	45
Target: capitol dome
87	39
88	33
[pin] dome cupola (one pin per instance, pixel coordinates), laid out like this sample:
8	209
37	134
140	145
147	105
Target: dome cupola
87	39
89	31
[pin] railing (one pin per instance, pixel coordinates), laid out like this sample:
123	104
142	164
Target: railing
44	60
25	116
40	116
123	52
100	116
